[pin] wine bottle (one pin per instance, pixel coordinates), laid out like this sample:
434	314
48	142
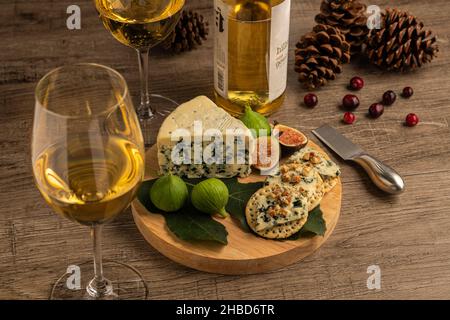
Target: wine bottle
251	54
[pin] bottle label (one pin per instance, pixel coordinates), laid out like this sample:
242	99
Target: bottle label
277	61
221	48
279	43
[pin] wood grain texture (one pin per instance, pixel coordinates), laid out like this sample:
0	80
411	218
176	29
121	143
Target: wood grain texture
407	236
245	253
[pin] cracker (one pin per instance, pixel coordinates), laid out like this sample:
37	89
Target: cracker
319	160
262	201
303	178
285	230
329	184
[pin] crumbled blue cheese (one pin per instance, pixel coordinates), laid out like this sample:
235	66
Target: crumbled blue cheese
276	205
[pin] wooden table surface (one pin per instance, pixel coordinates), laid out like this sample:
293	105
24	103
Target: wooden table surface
407	236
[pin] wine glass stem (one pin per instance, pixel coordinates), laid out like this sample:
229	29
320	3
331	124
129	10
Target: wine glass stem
99	286
144	110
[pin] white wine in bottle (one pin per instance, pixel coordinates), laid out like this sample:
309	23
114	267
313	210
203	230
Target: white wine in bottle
251	54
139	23
88	184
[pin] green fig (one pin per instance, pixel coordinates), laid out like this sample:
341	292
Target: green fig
169	193
210	196
257	123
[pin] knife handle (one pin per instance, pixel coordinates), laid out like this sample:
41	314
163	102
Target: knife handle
384	177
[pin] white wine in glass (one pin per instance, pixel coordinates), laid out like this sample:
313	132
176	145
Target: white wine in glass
88	162
89	184
142	24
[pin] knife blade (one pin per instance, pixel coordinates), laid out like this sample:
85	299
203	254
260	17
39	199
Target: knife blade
384	177
337	142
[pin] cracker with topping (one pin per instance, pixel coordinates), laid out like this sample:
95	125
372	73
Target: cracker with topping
276	212
303	178
328	170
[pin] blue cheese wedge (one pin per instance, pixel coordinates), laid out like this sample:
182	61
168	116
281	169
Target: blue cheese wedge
276	211
199	139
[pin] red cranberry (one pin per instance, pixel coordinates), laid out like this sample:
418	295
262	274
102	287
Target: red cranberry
376	110
350	101
349	117
407	92
356	83
389	98
311	100
411	120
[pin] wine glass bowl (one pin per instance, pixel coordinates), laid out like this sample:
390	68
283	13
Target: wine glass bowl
87	150
142	24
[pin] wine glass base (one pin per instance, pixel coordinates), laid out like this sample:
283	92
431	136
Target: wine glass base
150	123
127	283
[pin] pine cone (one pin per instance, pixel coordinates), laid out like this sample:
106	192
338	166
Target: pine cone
402	43
190	31
349	16
320	54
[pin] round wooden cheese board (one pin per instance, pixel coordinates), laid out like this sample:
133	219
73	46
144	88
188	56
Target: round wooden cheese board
245	252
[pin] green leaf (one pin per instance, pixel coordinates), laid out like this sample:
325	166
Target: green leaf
187	223
240	193
315	225
192	225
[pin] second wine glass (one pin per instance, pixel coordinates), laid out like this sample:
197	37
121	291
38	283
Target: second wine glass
142	24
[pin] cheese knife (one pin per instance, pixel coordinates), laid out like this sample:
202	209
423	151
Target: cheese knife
384	177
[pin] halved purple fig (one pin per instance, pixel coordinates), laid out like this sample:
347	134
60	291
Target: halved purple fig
290	137
267	153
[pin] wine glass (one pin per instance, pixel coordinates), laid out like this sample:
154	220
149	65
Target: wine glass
88	162
142	24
